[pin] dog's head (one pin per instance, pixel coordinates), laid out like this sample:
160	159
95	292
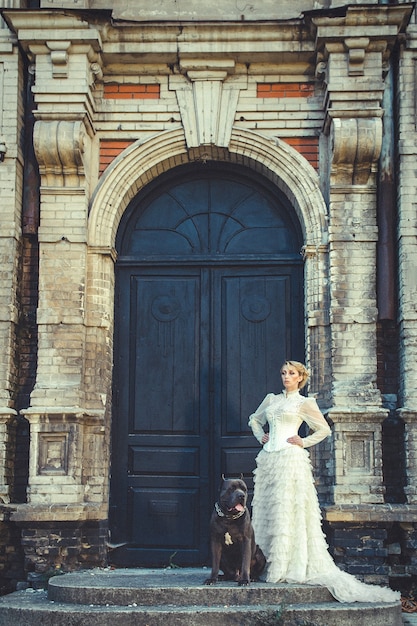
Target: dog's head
233	496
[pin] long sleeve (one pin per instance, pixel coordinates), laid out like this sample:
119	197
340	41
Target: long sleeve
311	414
258	419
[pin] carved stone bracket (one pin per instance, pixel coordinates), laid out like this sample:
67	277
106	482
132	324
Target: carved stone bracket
59	148
355	146
356	47
207	99
59	57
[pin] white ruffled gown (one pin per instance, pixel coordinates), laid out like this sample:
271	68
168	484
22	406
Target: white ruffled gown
286	514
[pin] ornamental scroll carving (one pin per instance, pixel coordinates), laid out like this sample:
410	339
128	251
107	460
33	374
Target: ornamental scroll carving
356	146
59	148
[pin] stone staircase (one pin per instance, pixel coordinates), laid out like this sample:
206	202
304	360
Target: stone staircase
174	597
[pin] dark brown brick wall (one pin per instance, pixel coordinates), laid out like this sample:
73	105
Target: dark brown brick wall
63	546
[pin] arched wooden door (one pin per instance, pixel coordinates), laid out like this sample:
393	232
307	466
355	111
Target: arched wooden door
208	304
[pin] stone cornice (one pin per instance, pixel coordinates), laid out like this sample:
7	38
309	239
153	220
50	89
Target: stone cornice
67	414
131	44
375	24
38	27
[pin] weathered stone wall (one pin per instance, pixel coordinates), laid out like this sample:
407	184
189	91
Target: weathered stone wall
116	105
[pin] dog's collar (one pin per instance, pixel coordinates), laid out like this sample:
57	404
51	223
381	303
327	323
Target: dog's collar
221	514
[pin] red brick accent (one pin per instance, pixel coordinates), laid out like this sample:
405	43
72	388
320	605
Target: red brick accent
284	90
124	91
307	146
109	149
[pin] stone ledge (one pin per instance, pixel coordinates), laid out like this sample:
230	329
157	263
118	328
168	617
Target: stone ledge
57	513
370	513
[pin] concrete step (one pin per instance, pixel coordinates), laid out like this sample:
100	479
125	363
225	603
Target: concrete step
160	586
171	597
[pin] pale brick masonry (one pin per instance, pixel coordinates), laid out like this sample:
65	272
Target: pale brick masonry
118	105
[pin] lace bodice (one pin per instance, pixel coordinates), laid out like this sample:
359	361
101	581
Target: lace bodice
284	414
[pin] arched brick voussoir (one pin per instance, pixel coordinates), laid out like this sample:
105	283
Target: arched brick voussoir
146	159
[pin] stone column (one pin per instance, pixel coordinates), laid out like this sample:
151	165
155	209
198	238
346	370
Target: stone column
357	407
66	419
351	54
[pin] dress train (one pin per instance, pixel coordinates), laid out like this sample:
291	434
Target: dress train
287	523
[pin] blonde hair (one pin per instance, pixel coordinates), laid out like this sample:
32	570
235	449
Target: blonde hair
301	369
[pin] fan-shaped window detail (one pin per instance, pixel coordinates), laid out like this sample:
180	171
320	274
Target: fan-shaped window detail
211	216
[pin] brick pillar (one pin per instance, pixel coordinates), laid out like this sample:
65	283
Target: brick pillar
357	411
68	403
350	62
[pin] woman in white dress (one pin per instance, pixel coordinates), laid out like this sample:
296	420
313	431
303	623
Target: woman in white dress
286	514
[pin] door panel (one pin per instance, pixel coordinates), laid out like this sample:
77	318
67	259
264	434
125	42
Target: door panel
203	348
163	396
164	354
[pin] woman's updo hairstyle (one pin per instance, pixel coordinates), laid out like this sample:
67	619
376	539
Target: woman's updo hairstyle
301	369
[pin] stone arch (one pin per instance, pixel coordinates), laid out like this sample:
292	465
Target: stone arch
144	160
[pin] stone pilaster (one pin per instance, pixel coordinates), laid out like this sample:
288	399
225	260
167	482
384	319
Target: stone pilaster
67	423
351	61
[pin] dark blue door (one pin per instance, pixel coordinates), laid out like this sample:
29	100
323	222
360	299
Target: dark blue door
208	304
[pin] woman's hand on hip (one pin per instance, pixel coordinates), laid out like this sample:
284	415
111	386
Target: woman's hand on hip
296	441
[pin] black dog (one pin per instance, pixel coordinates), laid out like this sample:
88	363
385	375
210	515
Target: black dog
233	546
